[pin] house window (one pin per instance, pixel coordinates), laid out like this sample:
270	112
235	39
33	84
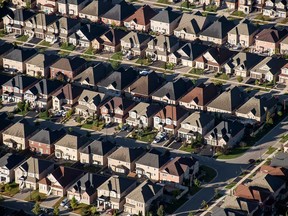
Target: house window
168	121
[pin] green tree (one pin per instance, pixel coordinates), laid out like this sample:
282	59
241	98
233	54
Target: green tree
204	204
36	209
26	106
28	4
73	203
93	210
190	214
56	211
239	79
20	106
160	211
37	198
197	183
7	188
269	119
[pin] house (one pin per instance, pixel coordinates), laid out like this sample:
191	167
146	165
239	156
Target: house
284	46
91	76
4	78
95	9
280	160
140	20
274	171
89	103
187	54
85	188
111	40
123	159
17	135
275	9
116	109
232	4
172	91
165	22
69	146
43	141
117	81
141	198
8	163
217	32
268	69
228	101
59	180
135	44
111	194
252	193
67	68
179	169
118	13
39	65
243	34
150	164
283	76
226	134
87	36
4	49
63	29
213	59
97	152
66	97
28	173
199	97
192	24
15	61
38	25
196	124
40	95
246	6
4	11
71	7
142	114
16	22
257	108
268	40
241	64
160	47
47	6
169	118
24	4
14	89
5	123
143	88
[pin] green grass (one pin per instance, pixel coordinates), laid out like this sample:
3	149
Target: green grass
231	185
67	46
44	115
32	197
147	137
142	61
45	43
164	2
234	153
23	38
14	189
210	173
284	138
221	76
89	51
239	13
271	150
79	208
63	53
94	125
211	8
57	204
117	56
187	148
2	33
262	17
23	113
187	4
197	71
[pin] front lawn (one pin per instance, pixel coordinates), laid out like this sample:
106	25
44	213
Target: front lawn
231	185
145	135
63	53
10	189
45	43
187	148
2	33
197	71
44	115
67	46
209	173
23	38
187	4
271	150
96	125
89	51
239	13
117	56
211	8
35	196
80	207
263	18
221	76
163	1
233	153
144	61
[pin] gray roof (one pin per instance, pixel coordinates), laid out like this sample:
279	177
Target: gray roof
146	109
237	203
73	141
153	159
164	42
10	160
270	64
244	28
21	81
22	15
43	60
45	87
120	11
126	154
48	136
136	38
21	129
198	119
98	148
94	97
166	16
191	51
97	7
36	165
67	23
20	55
280	160
145	192
117	183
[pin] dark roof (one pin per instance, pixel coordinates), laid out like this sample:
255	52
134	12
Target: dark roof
22	15
166	16
4	78
5	11
122	103
5	47
173	112
69	92
280	160
120	79
69	64
21	81
98	147
126	154
118	184
120	11
45	87
219	29
48	136
20	55
5	122
142	16
21	129
147	84
36	165
97	7
271	35
191	51
174	90
113	36
10	160
92	31
89	183
43	60
221	55
153	159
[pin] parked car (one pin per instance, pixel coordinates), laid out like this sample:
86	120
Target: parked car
108	125
16	36
129	128
64	202
68	205
124	127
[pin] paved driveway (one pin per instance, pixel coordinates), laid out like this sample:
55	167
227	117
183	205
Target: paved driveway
22	195
50	201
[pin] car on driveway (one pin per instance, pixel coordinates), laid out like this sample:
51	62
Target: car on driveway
129	128
68	205
64	202
160	137
124	127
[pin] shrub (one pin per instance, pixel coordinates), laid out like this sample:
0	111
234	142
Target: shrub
239	79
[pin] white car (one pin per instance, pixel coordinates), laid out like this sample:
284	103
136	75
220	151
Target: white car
64	202
145	72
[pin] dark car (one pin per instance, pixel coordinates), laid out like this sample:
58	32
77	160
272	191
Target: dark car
129	128
251	161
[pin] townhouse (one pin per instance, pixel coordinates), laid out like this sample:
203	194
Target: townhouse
110	41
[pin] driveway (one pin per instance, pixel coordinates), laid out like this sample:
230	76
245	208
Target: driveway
50	201
21	196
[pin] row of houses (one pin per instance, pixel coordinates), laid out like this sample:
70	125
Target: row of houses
260	195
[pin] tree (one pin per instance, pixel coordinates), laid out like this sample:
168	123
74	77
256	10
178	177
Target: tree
140	213
269	119
36	209
204	204
197	183
37	198
239	79
20	106
7	187
56	211
160	211
93	210
73	203
190	214
279	113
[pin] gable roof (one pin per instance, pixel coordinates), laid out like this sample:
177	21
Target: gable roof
274	171
22	15
5	122
220	55
271	35
142	16
21	129
117	183
45	87
229	100
69	92
269	64
172	112
244	28
136	38
97	7
20	55
21	81
113	36
164	42
43	60
166	16
122	103
74	141
191	51
178	165
153	159
10	160
48	136
246	192
125	154
36	165
174	90
147	84
91	31
198	119
236	203
98	148
67	23
94	97
5	47
280	160
144	192
201	94
120	11
43	19
69	64
146	109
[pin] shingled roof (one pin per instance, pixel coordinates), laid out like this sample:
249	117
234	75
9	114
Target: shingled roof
20	55
45	87
166	16
125	154
10	160
69	64
21	129
48	136
117	183
120	11
97	7
98	148
142	16
153	159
